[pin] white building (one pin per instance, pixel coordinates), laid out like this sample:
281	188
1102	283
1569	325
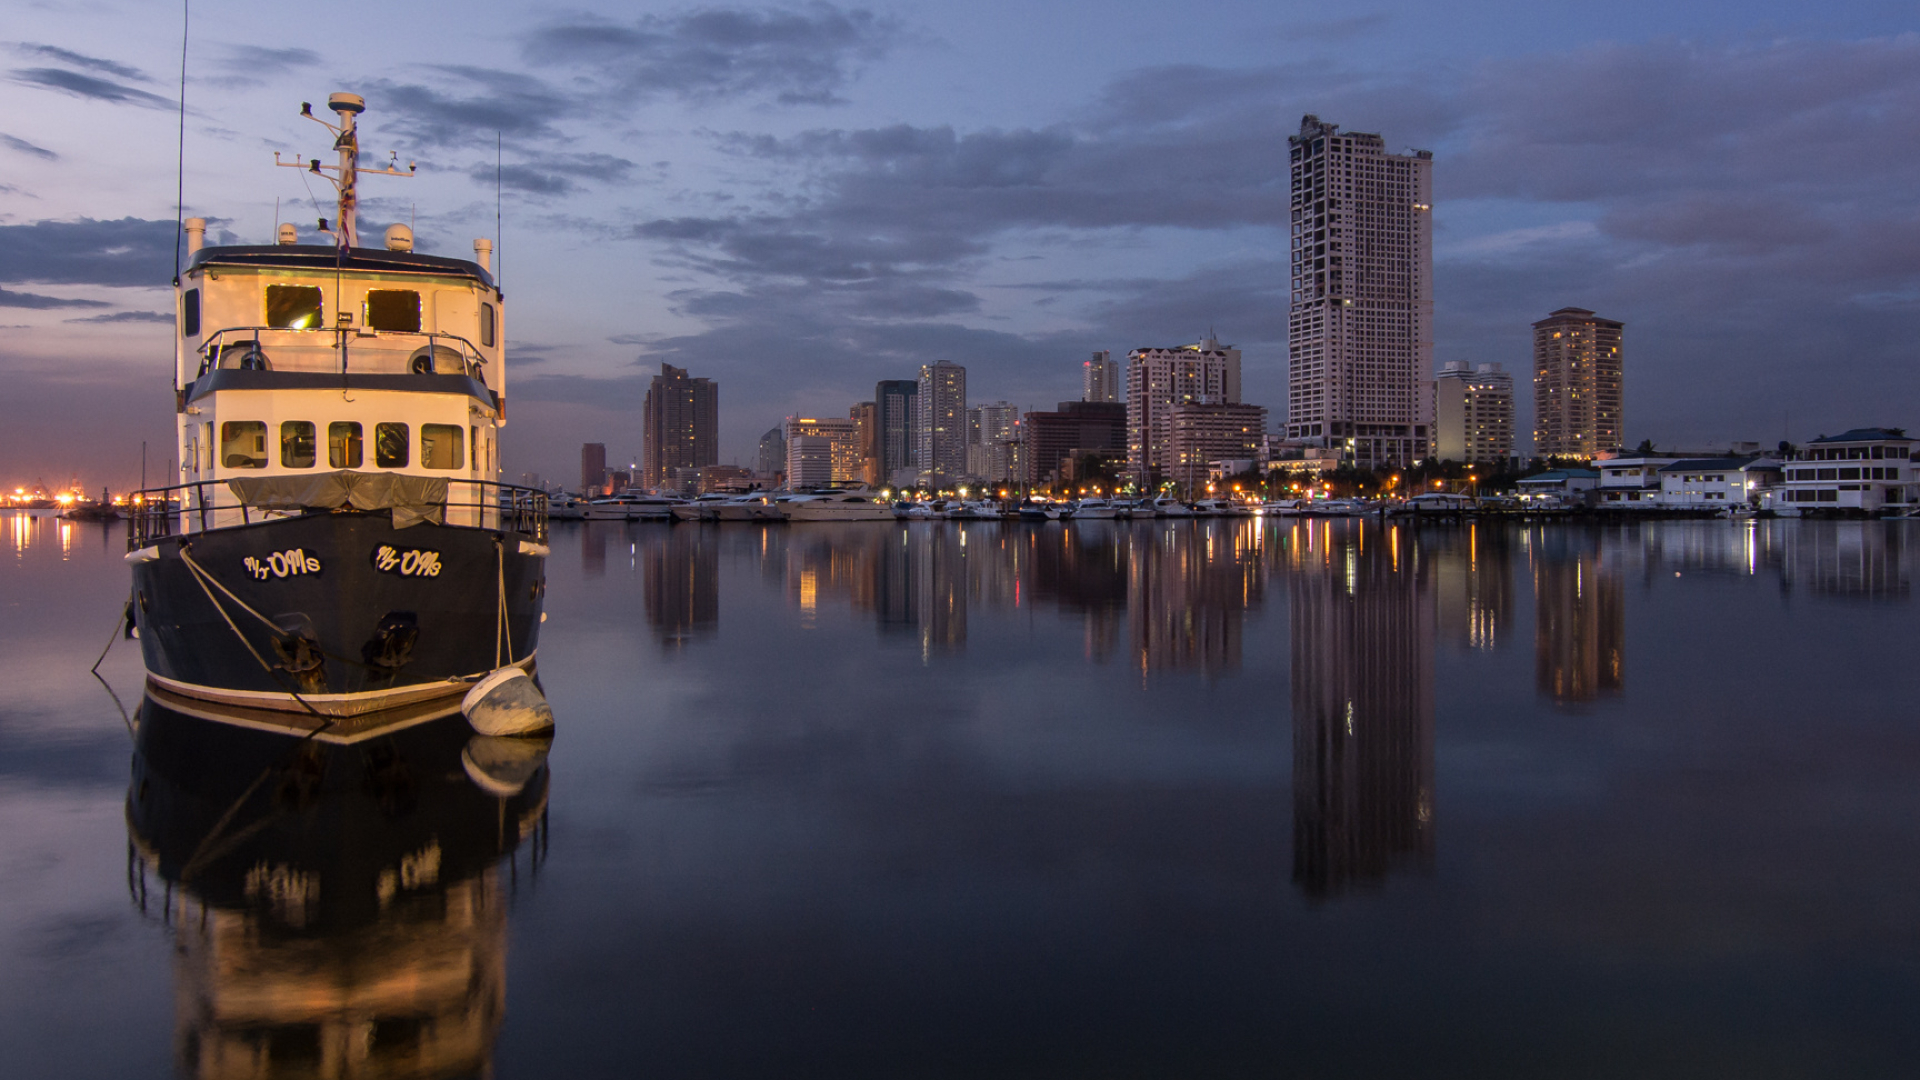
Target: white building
1716	483
1360	325
942	430
1204	373
1862	471
1100	379
1559	487
822	451
1473	414
1631	482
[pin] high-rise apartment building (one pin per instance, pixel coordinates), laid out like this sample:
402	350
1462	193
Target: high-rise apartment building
943	421
1199	435
1473	414
1360	326
866	436
1204	373
593	467
1100	380
1078	427
993	441
897	402
680	426
821	452
772	456
1576	384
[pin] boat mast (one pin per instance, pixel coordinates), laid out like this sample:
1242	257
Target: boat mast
347	141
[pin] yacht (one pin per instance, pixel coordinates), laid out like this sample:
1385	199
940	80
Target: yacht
630	506
566	507
1094	509
855	505
704	508
337	540
755	507
1166	506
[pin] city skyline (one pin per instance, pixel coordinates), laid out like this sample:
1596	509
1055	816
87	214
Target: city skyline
833	194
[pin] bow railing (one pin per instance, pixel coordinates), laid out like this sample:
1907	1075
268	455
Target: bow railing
154	514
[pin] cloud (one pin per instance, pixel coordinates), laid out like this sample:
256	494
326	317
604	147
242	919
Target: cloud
90	63
37	302
259	60
25	147
519	107
126	317
553	174
1336	30
791	56
86	86
129	251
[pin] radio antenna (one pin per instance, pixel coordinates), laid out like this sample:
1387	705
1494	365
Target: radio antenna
499	241
180	178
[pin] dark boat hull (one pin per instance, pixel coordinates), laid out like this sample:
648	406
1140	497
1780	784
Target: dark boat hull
336	613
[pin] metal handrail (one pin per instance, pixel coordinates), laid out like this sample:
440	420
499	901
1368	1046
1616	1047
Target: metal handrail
153	514
214	342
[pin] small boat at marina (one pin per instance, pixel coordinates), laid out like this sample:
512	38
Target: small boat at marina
1167	506
566	507
1094	510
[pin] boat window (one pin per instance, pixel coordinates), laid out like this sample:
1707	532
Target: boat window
293	307
390	445
441	447
486	325
343	445
190	313
297	444
393	309
243	444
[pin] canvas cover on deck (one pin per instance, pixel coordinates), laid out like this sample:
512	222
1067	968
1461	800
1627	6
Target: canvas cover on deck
413	499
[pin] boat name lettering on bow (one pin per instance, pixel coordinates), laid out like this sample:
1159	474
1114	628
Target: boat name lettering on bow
281	564
406	562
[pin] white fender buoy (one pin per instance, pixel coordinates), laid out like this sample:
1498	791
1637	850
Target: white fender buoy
501	766
507	703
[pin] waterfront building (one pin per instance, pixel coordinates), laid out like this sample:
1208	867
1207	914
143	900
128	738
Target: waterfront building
593	467
821	452
1075	428
1862	471
993	441
1717	483
1100	379
1567	487
725	479
680	426
1577	388
772	456
1204	373
943	421
866	437
1473	414
897	402
1360	321
1199	435
1631	482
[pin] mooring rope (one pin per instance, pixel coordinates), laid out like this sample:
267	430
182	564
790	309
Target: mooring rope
201	577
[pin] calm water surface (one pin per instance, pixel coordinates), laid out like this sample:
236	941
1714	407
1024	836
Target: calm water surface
1210	798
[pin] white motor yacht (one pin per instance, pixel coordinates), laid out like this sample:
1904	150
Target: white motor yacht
857	505
629	507
1095	509
756	507
701	509
1167	506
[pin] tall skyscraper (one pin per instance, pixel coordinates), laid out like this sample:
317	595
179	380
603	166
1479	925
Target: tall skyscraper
1100	381
593	466
866	436
681	426
1473	414
1079	427
1576	384
1204	373
1360	327
821	452
898	404
943	421
772	456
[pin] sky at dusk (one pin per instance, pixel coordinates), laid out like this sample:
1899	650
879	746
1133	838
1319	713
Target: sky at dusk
800	200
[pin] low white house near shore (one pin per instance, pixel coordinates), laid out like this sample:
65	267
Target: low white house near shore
1865	470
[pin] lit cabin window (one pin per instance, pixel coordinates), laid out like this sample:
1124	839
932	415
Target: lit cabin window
390	445
243	444
293	307
190	313
343	445
486	325
441	447
297	448
393	309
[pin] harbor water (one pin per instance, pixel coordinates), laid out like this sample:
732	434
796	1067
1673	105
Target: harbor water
1218	797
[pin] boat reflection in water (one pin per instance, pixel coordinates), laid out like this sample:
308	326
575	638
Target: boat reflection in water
337	907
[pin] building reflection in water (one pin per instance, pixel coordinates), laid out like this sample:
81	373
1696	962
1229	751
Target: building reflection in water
681	573
1580	622
1472	570
337	909
1188	592
1869	559
1362	621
